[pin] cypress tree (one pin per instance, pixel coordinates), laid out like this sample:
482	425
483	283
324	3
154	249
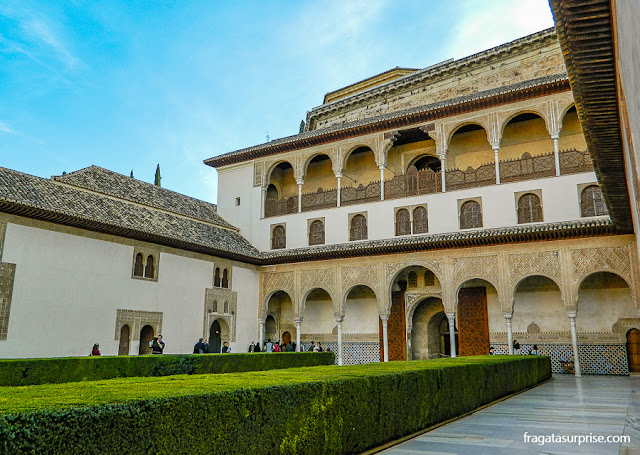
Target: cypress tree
131	173
301	126
157	180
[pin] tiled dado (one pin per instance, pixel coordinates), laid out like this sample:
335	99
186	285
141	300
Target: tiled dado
353	353
594	358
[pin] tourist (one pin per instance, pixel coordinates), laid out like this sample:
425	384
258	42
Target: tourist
95	350
199	348
491	351
252	346
516	348
256	347
276	346
157	345
535	350
225	348
293	344
320	347
269	346
312	347
316	348
288	348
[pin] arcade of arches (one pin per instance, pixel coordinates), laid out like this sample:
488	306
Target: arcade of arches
563	296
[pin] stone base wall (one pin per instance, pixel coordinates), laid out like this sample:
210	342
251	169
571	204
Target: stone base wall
594	358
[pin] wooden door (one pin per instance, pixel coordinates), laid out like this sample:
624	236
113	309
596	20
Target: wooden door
633	350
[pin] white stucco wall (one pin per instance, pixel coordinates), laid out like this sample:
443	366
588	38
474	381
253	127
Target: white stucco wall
233	182
68	289
498	206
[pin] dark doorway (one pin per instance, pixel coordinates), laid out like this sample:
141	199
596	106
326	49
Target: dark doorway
445	338
215	337
633	350
286	338
146	336
123	348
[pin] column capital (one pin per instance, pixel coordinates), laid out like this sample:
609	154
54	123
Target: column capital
450	315
385	318
339	319
297	321
338	175
571	314
442	154
555	135
300	182
495	146
507	315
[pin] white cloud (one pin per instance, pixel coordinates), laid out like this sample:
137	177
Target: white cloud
6	128
483	24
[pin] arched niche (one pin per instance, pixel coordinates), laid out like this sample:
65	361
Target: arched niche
426	340
571	135
469	147
360	311
360	167
538	299
318	173
282	176
319	315
525	132
603	298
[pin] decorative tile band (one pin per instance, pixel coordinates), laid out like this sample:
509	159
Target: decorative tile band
353	353
594	358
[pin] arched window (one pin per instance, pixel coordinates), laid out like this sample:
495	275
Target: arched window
214	307
216	278
412	279
225	278
470	215
138	267
429	278
149	270
226	307
316	233
278	238
529	209
592	202
420	221
358	228
403	222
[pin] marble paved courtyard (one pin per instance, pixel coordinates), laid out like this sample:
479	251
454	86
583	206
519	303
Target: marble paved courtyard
591	405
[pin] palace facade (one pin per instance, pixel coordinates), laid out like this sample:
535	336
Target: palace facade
422	213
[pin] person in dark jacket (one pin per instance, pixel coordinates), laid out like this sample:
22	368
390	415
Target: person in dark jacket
157	346
200	347
95	350
225	348
256	347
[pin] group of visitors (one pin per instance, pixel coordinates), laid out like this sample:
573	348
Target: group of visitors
517	349
268	346
202	347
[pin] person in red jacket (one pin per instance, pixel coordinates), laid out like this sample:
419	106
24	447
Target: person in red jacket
95	350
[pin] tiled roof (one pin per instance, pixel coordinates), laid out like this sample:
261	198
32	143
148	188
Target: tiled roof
45	199
460	239
300	140
111	183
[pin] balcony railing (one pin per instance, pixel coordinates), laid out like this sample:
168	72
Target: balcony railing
427	181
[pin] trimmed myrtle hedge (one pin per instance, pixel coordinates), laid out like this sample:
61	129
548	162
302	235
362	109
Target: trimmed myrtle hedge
319	410
16	372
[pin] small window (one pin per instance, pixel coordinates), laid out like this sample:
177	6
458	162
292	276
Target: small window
216	278
470	215
214	307
237	201
429	278
226	307
225	278
420	221
403	222
358	228
138	267
278	238
529	209
592	202
150	270
412	279
316	233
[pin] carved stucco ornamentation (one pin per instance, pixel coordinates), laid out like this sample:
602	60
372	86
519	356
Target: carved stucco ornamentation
258	173
392	268
220	296
355	275
7	275
587	260
317	278
278	281
136	320
545	263
485	267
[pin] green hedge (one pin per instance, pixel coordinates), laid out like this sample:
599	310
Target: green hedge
319	410
16	372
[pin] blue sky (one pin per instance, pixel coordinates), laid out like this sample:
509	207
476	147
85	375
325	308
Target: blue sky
127	85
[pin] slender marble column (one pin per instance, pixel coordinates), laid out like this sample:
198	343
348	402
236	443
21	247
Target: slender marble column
496	149
385	338
339	177
574	342
452	333
556	151
509	333
298	322
381	183
339	322
300	183
261	334
443	158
